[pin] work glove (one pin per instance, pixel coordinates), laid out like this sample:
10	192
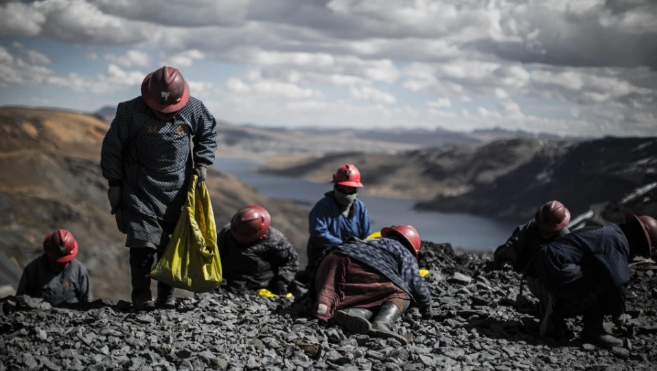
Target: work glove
280	288
427	313
620	320
114	196
202	172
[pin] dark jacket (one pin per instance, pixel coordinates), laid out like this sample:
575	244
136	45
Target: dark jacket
521	247
66	287
152	161
327	226
590	257
256	266
391	259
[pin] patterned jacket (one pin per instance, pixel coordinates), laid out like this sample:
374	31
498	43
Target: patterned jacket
256	266
152	161
391	259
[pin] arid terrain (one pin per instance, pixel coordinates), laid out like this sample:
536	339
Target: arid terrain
50	178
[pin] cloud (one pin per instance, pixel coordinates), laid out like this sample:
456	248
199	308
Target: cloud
15	70
185	59
581	66
130	58
371	95
272	88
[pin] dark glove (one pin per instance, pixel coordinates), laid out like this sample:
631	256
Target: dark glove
280	288
114	196
202	172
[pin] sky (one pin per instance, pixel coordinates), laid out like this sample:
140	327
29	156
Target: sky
570	67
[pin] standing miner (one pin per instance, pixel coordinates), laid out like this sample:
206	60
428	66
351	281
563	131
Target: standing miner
148	160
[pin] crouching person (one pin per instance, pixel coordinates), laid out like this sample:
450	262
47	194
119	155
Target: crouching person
56	276
358	277
549	224
254	255
587	273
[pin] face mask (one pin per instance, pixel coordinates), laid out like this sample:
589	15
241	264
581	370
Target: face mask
345	199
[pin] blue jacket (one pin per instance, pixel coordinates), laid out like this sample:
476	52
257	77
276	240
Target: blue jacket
66	287
394	261
152	162
327	226
591	257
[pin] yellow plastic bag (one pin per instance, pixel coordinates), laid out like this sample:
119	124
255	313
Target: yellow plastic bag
191	260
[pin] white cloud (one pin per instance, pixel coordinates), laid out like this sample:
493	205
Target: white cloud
36	57
18	19
440	103
371	95
272	88
130	58
185	59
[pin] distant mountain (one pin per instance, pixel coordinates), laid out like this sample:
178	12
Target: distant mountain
577	174
249	137
429	172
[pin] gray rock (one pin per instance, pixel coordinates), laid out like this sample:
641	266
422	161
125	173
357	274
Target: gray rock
460	279
620	352
184	353
588	347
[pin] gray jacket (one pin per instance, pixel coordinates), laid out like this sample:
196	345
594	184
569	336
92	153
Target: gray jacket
66	287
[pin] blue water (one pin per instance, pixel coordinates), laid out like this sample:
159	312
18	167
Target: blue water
461	230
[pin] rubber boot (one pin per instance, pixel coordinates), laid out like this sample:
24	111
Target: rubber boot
383	321
141	262
594	331
165	299
356	320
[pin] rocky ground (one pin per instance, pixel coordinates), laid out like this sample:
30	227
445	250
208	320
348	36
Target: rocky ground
479	323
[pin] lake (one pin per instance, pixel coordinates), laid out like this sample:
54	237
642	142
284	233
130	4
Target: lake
461	230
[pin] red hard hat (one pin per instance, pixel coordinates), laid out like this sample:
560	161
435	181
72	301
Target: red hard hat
250	224
348	176
165	90
60	246
649	228
408	232
552	216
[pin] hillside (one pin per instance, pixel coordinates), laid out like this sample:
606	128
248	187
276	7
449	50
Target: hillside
50	178
430	172
583	174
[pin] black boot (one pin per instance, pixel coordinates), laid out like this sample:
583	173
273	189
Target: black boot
165	299
383	321
356	320
594	331
141	262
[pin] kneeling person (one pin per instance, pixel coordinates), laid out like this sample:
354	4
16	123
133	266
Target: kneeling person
586	272
358	277
56	276
254	255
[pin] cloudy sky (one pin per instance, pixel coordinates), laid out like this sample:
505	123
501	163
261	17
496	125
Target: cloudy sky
562	66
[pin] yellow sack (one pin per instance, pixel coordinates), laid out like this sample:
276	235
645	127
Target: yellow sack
191	260
424	272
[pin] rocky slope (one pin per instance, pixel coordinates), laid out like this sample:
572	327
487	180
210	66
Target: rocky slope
479	323
50	178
